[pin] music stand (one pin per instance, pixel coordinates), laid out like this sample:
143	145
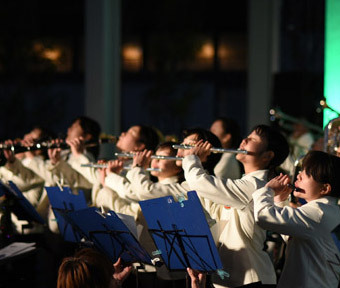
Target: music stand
110	235
64	201
181	233
17	203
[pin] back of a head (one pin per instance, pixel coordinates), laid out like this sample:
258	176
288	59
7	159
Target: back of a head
149	137
230	126
206	135
45	133
93	129
90	127
276	142
87	269
324	168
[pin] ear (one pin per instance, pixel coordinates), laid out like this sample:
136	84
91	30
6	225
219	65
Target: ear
88	137
326	189
268	155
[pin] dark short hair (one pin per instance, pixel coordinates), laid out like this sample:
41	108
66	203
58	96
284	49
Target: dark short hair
323	168
89	126
45	133
148	136
168	145
92	128
206	135
173	153
276	142
231	126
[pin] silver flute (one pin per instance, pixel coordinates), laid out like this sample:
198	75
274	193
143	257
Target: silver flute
95	165
214	150
160	157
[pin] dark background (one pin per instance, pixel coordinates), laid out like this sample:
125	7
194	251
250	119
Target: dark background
172	89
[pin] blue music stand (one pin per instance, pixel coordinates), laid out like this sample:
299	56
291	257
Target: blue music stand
19	205
181	233
64	201
110	235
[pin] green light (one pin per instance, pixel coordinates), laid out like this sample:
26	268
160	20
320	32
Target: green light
332	59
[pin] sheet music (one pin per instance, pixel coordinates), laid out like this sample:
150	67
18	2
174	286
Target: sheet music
129	221
15	249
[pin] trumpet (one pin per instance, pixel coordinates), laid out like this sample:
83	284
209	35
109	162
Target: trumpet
324	105
160	157
49	144
95	165
277	114
332	137
213	150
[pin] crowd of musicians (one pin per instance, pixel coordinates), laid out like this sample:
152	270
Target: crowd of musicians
273	227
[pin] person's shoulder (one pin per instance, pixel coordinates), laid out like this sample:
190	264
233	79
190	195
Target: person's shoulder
327	204
258	175
325	200
323	210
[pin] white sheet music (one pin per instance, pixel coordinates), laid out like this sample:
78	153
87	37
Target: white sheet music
129	221
15	249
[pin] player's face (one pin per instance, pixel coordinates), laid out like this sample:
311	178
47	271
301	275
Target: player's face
309	189
129	141
190	140
255	146
168	167
74	131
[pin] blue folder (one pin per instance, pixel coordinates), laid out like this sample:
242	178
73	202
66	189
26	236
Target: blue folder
20	206
110	235
64	201
181	233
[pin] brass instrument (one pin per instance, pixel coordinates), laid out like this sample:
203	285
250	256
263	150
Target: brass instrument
95	165
277	114
160	157
297	170
324	105
214	150
332	137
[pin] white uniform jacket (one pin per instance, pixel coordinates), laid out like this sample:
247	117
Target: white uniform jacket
27	181
62	172
312	258
228	167
110	200
30	184
137	185
242	240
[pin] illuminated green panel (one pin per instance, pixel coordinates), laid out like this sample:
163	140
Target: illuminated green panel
332	59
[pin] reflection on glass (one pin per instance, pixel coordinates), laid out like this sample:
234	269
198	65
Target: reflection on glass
132	57
52	53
